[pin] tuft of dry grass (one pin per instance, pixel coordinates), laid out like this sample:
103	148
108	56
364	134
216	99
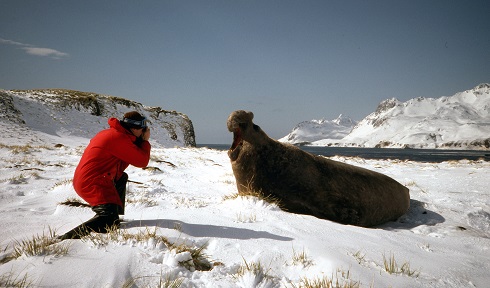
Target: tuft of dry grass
340	280
360	257
15	280
24	149
164	281
19	179
391	266
38	245
255	268
250	218
198	258
142	200
63	182
301	258
250	192
257	194
74	202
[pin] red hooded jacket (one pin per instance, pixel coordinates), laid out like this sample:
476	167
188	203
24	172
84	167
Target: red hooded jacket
104	160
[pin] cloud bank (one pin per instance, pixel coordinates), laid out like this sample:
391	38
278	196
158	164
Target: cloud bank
36	51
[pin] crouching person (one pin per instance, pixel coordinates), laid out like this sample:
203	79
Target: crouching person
100	178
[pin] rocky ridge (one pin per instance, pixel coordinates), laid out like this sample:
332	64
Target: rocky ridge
60	112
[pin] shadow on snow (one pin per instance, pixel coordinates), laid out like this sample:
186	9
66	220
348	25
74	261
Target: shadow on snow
416	215
205	230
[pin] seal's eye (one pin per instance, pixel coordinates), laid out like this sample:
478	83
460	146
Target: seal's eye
256	128
243	126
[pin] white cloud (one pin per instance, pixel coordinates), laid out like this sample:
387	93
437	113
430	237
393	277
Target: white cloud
5	41
36	51
44	52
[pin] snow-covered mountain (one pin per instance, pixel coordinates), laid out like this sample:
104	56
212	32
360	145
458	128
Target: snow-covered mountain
53	110
313	130
461	121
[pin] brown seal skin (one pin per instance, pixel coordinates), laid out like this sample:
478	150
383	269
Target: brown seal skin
309	184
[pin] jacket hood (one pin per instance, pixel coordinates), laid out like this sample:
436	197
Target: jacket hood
115	124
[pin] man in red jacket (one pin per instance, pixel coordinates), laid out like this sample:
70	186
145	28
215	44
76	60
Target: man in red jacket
100	178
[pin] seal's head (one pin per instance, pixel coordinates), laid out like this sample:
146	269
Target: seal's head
239	122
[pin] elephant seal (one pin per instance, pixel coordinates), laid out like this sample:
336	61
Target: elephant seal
308	184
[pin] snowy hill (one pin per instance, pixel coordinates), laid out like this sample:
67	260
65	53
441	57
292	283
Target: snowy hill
313	130
61	113
461	121
185	226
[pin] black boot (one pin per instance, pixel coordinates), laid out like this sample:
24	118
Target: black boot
106	217
121	190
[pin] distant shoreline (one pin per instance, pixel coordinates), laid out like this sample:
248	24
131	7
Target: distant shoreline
418	155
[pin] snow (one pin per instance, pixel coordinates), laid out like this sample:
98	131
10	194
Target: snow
458	121
461	121
71	113
313	130
188	199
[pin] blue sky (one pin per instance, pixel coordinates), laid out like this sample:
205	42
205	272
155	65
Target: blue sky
287	61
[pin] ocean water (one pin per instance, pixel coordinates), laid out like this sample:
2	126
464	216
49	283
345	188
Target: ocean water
419	155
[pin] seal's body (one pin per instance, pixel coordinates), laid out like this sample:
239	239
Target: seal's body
308	184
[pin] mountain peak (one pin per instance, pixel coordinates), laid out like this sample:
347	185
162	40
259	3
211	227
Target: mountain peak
461	121
482	86
387	105
313	130
344	121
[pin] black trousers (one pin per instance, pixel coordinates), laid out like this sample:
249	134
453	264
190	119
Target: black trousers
120	185
106	215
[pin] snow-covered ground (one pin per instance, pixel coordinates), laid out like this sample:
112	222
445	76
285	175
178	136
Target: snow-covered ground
444	240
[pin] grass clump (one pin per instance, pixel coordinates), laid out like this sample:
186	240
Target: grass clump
359	256
250	218
63	182
16	281
197	258
164	281
19	179
74	202
248	191
261	195
252	274
38	245
143	200
23	149
338	281
392	267
301	258
17	149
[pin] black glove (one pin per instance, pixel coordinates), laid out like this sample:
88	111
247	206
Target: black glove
138	141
